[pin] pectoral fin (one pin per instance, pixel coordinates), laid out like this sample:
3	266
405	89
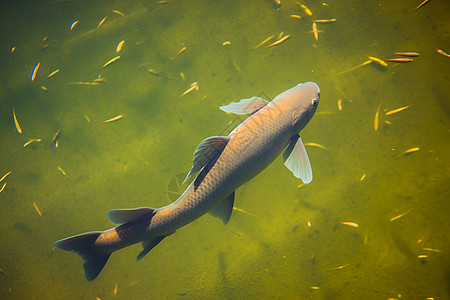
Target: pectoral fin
296	159
205	152
245	106
150	244
224	209
122	216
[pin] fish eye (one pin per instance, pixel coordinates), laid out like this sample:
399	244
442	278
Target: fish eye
314	102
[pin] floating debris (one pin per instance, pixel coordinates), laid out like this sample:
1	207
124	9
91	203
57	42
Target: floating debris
37	209
119	47
422	4
118	12
279	41
31	141
265	41
410	150
4	176
102	21
375	121
391	112
400	215
378	61
442	52
194	86
316	145
400	60
73	24
55	139
352	224
35	71
111	61
53	73
16	123
409	53
113	119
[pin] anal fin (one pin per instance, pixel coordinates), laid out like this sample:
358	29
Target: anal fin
150	244
224	209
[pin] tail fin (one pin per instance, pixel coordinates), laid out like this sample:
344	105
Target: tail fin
84	246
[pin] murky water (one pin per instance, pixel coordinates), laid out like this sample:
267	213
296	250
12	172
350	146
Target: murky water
288	242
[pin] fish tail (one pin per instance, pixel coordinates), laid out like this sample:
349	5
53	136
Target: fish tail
84	246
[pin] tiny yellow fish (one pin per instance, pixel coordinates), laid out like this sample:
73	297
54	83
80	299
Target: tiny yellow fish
339	104
194	86
410	150
13	49
102	21
391	112
407	53
421	4
118	12
352	224
19	130
84	83
265	41
243	211
375	121
363	177
387	122
325	21
55	138
432	250
3	187
422	256
44	88
305	9
316	34
111	61
226	43
400	215
73	24
295	16
115	290
87	118
442	52
182	76
35	71
279	41
314	287
31	141
52	73
316	145
62	171
400	60
378	61
113	119
340	267
119	46
37	209
4	176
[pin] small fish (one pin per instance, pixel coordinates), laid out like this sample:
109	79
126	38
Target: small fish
442	52
410	150
113	119
339	104
226	43
316	145
87	118
432	250
400	215
45	46
4	176
182	76
413	54
102	21
352	224
391	112
19	130
279	41
340	267
265	41
35	71
13	49
118	12
325	21
387	122
305	9
55	138
52	73
309	223
400	60
62	171
31	141
37	209
316	34
363	177
115	290
295	16
422	256
3	187
422	4
119	46
194	86
378	61
73	24
111	61
375	121
181	51
84	83
44	88
100	80
314	287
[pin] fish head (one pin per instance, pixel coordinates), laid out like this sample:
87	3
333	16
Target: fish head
302	102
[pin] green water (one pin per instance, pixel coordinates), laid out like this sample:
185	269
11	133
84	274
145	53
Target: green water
269	252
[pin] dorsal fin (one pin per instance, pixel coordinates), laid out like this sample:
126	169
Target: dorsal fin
245	106
122	216
205	152
224	209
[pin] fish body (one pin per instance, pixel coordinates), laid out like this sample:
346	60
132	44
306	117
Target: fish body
225	163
